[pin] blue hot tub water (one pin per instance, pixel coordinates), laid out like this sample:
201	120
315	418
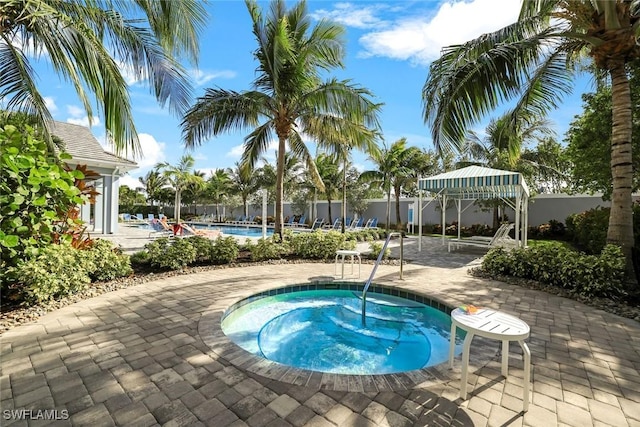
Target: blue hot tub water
322	331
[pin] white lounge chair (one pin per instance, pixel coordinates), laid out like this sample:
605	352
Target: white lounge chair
500	238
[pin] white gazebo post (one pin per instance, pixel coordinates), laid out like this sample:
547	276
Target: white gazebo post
444	215
264	214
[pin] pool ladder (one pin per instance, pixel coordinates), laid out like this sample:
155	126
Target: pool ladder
375	267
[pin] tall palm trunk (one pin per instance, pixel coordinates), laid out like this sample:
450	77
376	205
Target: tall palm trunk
344	197
176	209
398	218
388	224
620	219
279	220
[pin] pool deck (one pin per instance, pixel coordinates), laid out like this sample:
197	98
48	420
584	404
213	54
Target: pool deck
152	355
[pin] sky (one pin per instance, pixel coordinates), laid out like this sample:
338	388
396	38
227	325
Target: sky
389	46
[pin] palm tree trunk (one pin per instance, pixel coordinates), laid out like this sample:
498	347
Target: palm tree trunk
620	230
329	210
279	220
388	208
398	218
344	197
176	209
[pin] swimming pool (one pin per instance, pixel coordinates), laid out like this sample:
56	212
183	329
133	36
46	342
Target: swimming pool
321	330
234	230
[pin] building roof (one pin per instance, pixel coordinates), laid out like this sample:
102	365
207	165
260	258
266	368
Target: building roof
80	143
476	182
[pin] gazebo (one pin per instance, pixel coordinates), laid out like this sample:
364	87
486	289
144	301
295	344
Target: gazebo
478	183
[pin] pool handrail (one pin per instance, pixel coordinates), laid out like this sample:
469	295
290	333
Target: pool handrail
375	267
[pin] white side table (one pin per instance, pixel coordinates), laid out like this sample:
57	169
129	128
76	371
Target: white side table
345	253
494	325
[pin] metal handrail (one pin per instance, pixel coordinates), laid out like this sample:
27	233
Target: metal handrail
373	272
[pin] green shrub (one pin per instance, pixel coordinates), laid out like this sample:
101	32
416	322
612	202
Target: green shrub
203	246
56	271
265	249
110	263
173	254
320	244
224	250
582	274
376	248
588	230
35	191
140	258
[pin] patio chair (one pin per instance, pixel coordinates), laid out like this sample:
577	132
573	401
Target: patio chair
317	223
500	238
160	229
335	226
126	217
186	230
300	222
356	224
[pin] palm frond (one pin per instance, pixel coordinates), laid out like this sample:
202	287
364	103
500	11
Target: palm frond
220	111
255	144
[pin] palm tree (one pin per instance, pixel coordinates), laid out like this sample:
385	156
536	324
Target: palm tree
329	170
288	98
195	191
219	187
146	38
244	183
534	61
395	166
179	176
152	183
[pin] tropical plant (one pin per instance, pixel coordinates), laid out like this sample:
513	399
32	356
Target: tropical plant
288	97
195	191
179	176
243	183
395	168
36	193
92	44
152	183
329	170
218	187
534	60
588	140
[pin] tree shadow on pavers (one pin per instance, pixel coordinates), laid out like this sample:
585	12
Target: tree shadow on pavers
423	407
435	254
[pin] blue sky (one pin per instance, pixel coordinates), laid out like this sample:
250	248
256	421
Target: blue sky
389	47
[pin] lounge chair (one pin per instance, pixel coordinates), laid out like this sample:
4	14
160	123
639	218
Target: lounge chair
500	238
317	223
150	217
126	217
300	222
139	218
186	230
335	226
161	217
356	224
160	229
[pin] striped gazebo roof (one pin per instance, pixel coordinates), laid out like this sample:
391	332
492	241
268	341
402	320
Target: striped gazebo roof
476	182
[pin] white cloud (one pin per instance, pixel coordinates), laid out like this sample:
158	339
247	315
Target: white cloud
130	181
152	151
79	117
420	39
50	103
236	151
201	77
351	15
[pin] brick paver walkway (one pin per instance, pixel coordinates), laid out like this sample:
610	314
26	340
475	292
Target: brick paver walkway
136	357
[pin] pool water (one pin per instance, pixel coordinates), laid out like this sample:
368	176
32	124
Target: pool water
322	331
229	230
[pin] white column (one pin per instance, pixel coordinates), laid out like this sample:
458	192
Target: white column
518	207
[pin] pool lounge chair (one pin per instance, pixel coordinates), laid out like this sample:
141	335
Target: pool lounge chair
126	217
160	229
356	224
300	222
500	238
335	226
185	230
139	218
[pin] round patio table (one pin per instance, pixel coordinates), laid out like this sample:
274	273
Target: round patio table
494	325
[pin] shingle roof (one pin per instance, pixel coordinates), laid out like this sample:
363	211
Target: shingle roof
80	143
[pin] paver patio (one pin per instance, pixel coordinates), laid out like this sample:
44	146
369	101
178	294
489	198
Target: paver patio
146	355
